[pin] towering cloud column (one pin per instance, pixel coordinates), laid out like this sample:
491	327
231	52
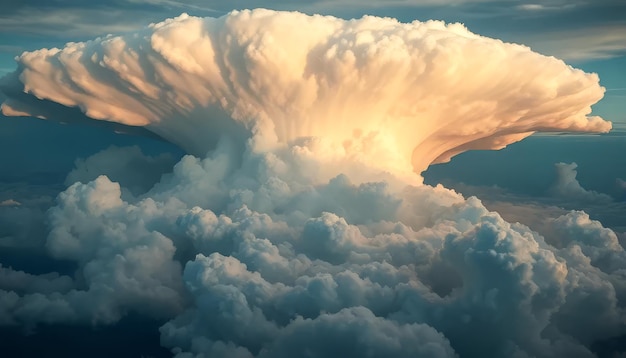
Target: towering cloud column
278	241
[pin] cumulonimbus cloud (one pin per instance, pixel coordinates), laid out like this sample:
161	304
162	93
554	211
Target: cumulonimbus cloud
278	241
399	96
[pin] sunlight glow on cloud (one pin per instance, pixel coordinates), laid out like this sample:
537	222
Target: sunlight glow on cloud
399	96
9	202
278	234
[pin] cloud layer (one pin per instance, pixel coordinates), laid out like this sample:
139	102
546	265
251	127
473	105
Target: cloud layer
393	95
249	257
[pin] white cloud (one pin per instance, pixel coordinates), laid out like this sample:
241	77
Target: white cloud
271	257
191	80
567	186
10	202
286	238
531	7
539	210
122	265
127	166
549	6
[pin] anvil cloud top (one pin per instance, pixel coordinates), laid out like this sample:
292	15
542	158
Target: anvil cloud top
400	96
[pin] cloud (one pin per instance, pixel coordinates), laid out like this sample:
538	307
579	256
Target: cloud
126	165
537	205
22	215
531	7
119	266
576	31
550	6
22	282
78	21
567	186
299	226
10	202
596	42
191	80
271	257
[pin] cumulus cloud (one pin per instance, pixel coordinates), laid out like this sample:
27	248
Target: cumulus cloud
271	258
22	214
120	266
417	93
127	166
538	210
283	236
567	186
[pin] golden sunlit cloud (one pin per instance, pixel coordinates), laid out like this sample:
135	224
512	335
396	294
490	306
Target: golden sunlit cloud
395	96
278	235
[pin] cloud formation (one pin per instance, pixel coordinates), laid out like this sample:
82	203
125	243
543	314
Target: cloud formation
398	96
248	256
126	165
281	235
567	186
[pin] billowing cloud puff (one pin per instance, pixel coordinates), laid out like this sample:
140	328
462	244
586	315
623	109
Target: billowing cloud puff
538	211
567	186
396	96
121	265
22	215
249	258
127	166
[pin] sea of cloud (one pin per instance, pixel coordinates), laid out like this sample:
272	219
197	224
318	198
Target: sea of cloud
296	225
253	255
